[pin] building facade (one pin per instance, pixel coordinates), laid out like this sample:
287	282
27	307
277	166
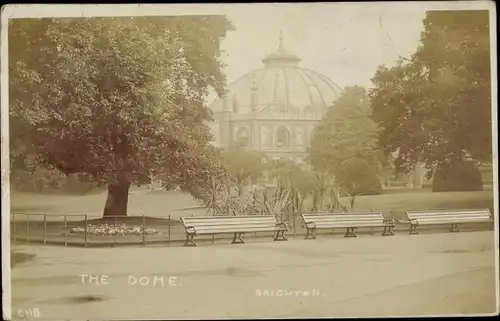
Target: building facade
274	109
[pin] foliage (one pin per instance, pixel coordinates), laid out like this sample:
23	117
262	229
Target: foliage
27	177
294	185
346	131
119	100
436	106
326	194
243	166
457	176
356	177
38	180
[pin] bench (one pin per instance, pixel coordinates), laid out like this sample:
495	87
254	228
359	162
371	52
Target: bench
349	221
203	225
445	217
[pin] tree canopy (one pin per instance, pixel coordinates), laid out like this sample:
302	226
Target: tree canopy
345	132
118	100
436	106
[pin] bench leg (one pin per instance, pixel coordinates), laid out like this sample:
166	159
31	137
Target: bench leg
454	228
387	231
237	239
350	232
413	229
190	240
310	233
492	226
280	236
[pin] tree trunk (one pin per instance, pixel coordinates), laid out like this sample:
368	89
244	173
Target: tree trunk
116	203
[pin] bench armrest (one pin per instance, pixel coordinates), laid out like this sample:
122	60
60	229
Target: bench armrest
389	221
190	230
311	225
413	221
282	224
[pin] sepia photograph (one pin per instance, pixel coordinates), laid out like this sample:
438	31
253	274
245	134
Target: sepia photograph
257	160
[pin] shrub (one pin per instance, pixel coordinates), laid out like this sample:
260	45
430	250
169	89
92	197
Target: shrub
357	177
37	180
455	177
45	180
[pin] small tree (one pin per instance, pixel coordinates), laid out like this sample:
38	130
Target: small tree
356	177
345	132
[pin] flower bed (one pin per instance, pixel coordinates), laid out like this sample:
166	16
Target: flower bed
106	229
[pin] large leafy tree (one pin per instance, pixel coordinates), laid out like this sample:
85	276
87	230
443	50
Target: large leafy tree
435	107
119	101
345	132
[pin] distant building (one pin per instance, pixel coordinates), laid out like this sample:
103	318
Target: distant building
274	109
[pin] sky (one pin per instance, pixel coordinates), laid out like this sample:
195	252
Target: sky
344	41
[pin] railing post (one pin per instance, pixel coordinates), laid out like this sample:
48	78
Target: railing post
14	225
294	222
143	230
28	227
44	228
85	231
65	230
169	227
114	236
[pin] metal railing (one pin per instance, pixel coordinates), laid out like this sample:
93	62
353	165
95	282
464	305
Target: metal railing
94	230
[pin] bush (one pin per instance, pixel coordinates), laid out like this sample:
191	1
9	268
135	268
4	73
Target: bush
44	180
357	177
457	177
37	180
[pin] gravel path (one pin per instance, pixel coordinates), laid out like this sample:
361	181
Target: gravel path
434	274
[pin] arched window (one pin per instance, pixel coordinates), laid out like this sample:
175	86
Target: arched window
311	135
242	136
282	138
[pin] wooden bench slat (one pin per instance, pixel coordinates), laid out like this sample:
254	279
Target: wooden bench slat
445	217
201	223
343	215
233	230
453	219
229	218
449	214
342	219
232	225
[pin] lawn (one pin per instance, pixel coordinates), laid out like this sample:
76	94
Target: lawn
161	204
158	207
153	204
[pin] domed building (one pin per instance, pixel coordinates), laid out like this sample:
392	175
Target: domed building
274	109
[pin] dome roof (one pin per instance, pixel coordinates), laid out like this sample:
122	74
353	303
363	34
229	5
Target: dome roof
280	86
